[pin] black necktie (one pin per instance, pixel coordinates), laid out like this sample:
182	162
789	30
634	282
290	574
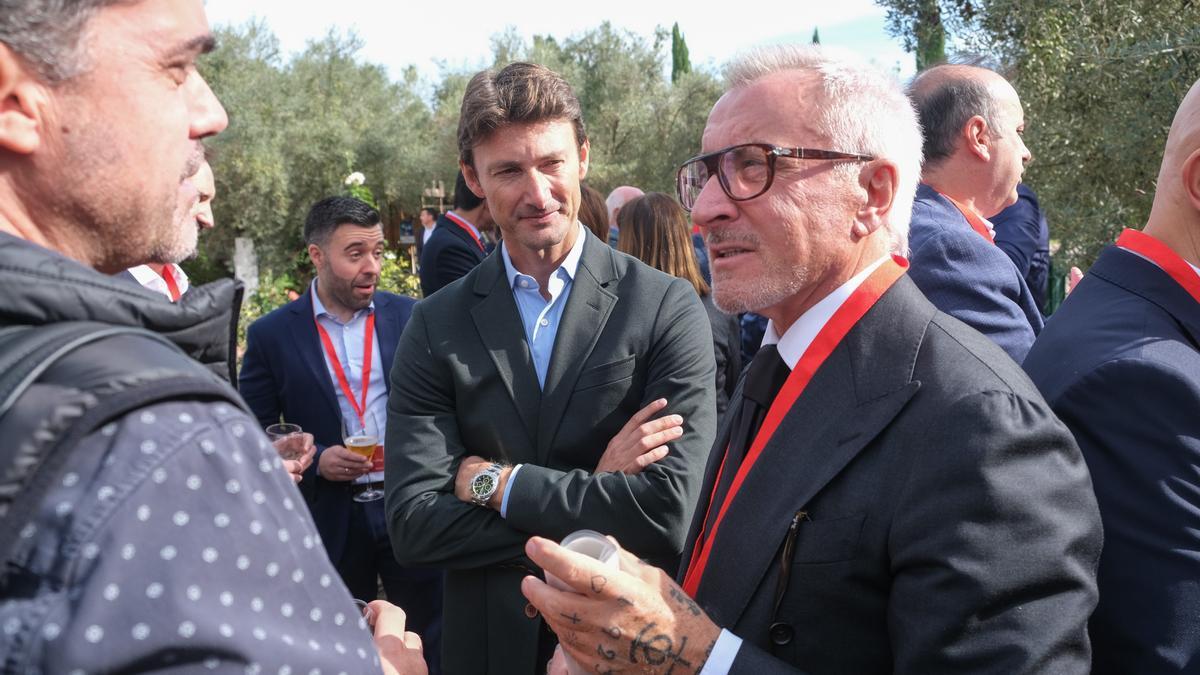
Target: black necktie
764	379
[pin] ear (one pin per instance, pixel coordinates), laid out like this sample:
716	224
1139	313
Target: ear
585	152
978	138
315	255
472	179
23	100
880	180
1190	175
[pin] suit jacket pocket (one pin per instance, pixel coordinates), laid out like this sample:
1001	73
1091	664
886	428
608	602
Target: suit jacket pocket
827	541
606	373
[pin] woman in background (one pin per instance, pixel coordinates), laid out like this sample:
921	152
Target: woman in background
655	230
593	213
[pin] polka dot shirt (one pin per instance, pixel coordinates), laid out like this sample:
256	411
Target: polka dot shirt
176	541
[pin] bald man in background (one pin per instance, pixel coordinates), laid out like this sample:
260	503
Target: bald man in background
973	160
616	199
1119	364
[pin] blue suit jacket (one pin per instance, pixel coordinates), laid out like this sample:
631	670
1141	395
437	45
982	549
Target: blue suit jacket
1118	363
284	373
969	278
1022	233
448	255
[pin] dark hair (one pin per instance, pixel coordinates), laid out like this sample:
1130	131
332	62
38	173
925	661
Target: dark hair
520	93
46	33
326	215
654	229
593	213
433	213
944	108
464	199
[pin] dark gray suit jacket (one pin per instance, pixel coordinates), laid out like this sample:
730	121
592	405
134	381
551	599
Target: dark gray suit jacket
464	383
946	521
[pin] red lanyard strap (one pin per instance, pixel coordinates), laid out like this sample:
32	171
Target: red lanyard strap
466	228
1162	255
830	336
360	409
973	219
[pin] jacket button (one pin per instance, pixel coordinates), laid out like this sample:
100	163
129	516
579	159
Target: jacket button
781	633
531	612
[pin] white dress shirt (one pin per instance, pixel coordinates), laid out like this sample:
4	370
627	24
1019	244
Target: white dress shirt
150	279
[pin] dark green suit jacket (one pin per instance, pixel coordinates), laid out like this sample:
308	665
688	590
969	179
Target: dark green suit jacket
464	384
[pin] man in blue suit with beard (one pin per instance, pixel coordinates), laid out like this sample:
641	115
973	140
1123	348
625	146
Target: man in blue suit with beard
322	362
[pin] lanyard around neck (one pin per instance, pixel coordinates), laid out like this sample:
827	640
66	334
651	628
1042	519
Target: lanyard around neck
830	336
360	409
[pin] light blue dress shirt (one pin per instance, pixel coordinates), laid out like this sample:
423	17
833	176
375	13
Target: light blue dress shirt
541	317
347	339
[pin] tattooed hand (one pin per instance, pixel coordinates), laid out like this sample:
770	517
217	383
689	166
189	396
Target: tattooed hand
636	619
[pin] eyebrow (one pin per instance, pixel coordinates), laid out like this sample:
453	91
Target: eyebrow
201	44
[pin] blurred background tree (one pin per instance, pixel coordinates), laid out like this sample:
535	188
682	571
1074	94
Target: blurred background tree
1100	81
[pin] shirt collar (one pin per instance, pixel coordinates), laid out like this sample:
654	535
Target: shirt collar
569	265
795	341
319	307
145	276
455	217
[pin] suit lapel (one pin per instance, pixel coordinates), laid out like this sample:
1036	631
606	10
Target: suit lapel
583	319
387	330
498	323
308	345
854	396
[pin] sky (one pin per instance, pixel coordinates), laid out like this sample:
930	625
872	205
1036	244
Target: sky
457	35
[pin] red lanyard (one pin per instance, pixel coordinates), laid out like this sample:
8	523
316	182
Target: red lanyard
973	219
172	287
466	228
830	335
1162	255
360	409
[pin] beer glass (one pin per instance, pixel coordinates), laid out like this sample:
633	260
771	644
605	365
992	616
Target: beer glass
363	441
288	439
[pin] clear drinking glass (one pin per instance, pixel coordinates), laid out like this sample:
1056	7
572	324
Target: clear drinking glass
288	439
365	442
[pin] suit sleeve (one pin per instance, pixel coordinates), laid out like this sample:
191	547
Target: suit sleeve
427	523
994	545
975	283
448	264
1143	450
648	512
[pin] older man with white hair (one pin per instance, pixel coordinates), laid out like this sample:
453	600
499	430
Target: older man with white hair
889	493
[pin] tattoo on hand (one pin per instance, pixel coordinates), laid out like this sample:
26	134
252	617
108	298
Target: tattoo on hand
622	600
598	582
608	654
683	599
658	649
573	617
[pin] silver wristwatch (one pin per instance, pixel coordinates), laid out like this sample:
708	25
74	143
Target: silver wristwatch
484	484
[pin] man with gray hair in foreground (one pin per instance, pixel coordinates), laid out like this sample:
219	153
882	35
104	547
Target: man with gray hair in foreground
889	492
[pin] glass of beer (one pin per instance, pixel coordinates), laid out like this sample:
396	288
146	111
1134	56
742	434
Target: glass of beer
362	442
288	439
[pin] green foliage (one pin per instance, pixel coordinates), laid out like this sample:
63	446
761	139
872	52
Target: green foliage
272	293
919	24
299	125
680	63
396	276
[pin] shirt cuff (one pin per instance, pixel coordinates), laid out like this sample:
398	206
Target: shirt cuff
512	476
723	653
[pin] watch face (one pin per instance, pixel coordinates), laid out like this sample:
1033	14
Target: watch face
483	485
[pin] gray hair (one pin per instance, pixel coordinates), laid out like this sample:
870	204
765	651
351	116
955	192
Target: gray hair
945	102
46	33
863	110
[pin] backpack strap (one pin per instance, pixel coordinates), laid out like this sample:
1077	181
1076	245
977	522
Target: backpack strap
31	464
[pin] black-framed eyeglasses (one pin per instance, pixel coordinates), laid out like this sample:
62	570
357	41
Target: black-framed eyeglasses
744	171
